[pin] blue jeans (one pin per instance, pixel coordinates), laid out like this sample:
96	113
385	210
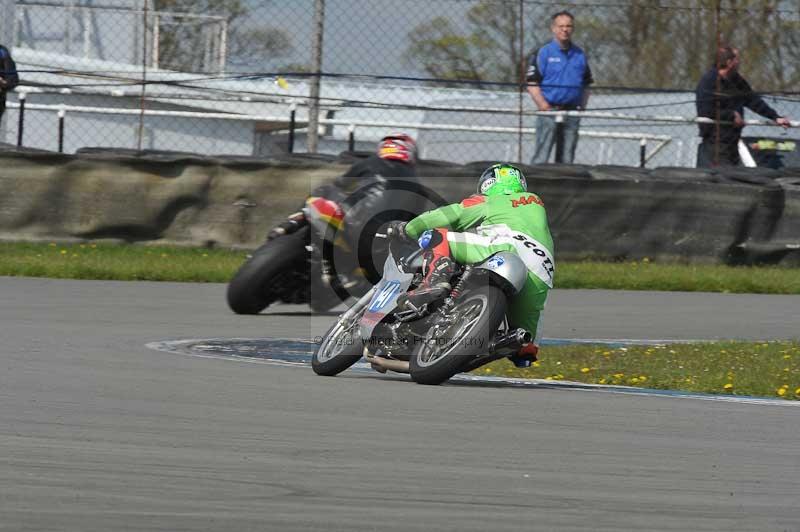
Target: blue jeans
546	136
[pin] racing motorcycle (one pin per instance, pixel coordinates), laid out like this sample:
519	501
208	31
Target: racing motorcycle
462	330
305	261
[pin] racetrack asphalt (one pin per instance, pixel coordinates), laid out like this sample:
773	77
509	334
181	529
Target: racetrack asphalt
98	432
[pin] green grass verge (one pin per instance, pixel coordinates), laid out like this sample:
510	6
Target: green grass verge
119	262
161	263
761	369
647	275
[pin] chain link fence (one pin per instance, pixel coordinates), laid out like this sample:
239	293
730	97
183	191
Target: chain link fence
263	78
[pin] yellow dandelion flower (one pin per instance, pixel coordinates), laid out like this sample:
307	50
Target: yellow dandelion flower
634	380
728	386
603	381
585	370
781	391
797	392
643	378
537	364
618	375
63	251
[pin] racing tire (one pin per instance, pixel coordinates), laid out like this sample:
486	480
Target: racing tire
474	322
327	360
248	292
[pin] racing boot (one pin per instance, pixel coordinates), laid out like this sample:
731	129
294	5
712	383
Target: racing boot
525	356
435	285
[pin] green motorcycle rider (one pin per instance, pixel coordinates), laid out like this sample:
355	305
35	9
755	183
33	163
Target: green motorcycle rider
502	216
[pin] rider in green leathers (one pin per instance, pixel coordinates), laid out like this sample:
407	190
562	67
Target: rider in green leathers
502	216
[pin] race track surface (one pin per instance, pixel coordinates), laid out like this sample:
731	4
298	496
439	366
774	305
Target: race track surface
100	433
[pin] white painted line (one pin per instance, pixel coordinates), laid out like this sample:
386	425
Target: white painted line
187	347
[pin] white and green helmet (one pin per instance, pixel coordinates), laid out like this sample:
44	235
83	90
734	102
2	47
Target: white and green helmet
501	179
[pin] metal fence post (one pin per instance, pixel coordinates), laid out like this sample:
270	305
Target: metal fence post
316	79
292	125
642	152
61	114
351	137
21	122
559	138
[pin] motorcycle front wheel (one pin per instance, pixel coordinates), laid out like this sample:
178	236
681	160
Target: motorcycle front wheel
341	346
454	342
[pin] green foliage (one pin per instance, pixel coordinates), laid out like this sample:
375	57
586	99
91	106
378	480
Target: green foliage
648	275
119	262
640	43
189	45
488	51
764	369
169	263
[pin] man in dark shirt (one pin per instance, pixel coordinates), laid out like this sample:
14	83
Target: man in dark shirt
8	76
722	95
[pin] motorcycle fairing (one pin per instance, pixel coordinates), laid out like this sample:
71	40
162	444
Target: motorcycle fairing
384	300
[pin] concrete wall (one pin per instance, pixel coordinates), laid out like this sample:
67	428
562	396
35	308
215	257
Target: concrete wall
594	212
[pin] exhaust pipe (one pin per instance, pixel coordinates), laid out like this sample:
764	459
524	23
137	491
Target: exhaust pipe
510	343
382	363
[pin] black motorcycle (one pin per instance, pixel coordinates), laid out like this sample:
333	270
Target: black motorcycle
307	260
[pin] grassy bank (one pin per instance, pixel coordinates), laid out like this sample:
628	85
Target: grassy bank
137	262
762	369
119	262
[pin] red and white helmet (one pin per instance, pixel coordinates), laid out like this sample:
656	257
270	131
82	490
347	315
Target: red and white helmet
398	147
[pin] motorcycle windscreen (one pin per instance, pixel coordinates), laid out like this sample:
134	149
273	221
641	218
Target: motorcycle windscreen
392	284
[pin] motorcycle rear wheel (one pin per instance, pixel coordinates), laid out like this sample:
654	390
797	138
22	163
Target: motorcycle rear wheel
249	292
451	347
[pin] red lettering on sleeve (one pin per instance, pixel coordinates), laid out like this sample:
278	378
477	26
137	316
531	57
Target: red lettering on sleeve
471	201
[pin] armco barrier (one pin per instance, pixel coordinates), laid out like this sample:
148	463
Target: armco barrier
608	212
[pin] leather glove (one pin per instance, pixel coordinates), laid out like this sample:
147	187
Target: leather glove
397	229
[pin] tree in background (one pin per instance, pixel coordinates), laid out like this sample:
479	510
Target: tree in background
669	47
638	44
487	51
191	46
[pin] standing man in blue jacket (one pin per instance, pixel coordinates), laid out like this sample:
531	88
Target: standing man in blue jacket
558	79
8	76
